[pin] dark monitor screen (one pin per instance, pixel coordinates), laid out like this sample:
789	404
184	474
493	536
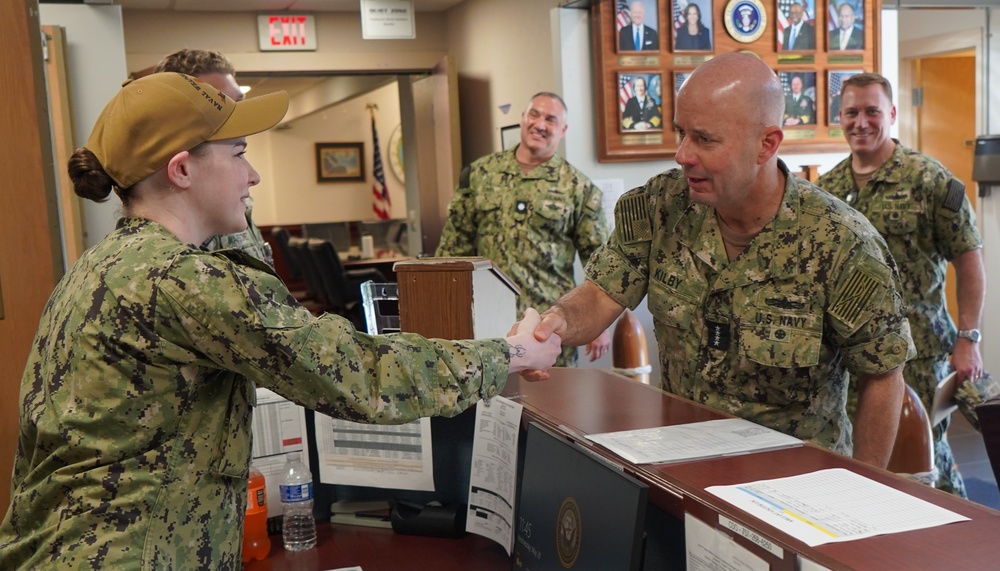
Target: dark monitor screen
576	510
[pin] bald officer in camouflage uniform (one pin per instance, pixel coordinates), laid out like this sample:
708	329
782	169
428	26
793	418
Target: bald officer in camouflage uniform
530	211
765	291
216	70
133	451
922	212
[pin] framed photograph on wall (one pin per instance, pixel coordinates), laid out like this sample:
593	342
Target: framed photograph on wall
640	101
637	26
693	25
834	84
340	162
795	24
846	25
510	136
800	97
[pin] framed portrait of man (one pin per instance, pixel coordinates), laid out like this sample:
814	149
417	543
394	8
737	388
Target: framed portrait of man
846	25
692	22
637	24
800	97
796	25
640	101
835	82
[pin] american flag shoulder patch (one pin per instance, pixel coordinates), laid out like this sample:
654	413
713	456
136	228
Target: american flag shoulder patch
956	192
632	219
854	296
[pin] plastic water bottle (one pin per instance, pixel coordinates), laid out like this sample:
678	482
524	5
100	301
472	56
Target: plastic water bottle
256	544
298	527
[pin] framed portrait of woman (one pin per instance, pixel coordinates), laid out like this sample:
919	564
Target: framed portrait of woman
636	22
692	25
640	102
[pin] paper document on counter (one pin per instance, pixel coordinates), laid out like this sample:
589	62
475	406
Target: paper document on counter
279	427
693	441
493	478
833	505
381	456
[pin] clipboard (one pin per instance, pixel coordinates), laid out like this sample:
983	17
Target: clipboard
944	399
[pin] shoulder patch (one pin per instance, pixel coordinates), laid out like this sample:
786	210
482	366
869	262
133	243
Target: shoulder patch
854	296
956	192
632	219
594	201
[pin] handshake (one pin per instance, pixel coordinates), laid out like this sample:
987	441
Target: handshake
535	344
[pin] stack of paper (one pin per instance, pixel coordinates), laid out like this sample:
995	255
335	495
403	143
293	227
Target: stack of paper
693	441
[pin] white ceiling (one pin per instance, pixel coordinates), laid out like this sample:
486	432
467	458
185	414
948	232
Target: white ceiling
266	5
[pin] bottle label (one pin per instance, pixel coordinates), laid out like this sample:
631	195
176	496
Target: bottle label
296	492
256	499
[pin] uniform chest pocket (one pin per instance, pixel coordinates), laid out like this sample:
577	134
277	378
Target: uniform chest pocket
671	309
553	215
783	339
900	226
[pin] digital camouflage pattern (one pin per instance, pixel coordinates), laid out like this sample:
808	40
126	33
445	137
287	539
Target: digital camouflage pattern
771	336
530	225
922	212
137	399
249	241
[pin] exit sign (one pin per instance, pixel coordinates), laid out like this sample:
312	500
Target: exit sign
286	32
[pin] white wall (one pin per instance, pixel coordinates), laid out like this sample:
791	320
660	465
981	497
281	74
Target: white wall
96	66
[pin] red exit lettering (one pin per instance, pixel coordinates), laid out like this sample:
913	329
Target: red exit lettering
287	30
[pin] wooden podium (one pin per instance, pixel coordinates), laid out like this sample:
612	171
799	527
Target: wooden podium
455	298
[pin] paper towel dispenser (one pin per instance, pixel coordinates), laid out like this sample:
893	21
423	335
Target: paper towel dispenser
986	163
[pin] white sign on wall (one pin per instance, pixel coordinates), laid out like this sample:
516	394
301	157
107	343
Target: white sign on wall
387	20
286	32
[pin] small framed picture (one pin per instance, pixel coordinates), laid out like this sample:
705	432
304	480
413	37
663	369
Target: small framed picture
510	136
846	25
834	83
640	101
800	97
796	26
340	162
692	25
637	24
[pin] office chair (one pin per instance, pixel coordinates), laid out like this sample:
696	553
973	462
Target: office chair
289	257
341	288
377	300
299	247
988	413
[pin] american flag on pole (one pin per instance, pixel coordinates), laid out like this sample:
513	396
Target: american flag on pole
679	20
624	91
623	18
381	204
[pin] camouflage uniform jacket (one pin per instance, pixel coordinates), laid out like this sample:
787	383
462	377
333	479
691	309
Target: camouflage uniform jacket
249	241
530	225
134	442
771	336
922	212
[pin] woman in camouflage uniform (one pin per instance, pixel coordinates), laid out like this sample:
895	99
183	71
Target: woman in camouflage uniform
137	396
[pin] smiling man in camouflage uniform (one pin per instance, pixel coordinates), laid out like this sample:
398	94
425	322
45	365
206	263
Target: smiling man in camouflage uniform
922	212
530	212
765	291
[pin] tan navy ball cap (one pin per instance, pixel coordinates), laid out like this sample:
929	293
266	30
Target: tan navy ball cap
155	117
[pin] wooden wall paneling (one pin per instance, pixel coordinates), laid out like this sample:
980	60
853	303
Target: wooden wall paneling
30	257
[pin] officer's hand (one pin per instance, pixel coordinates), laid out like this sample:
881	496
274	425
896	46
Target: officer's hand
598	347
527	351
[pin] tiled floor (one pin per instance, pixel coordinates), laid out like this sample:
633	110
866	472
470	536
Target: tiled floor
967	444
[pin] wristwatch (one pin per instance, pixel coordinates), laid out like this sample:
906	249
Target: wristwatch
971	334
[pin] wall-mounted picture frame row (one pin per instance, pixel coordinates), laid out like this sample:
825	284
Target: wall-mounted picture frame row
640	98
689	25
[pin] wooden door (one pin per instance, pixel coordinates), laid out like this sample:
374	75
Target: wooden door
947	125
30	258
